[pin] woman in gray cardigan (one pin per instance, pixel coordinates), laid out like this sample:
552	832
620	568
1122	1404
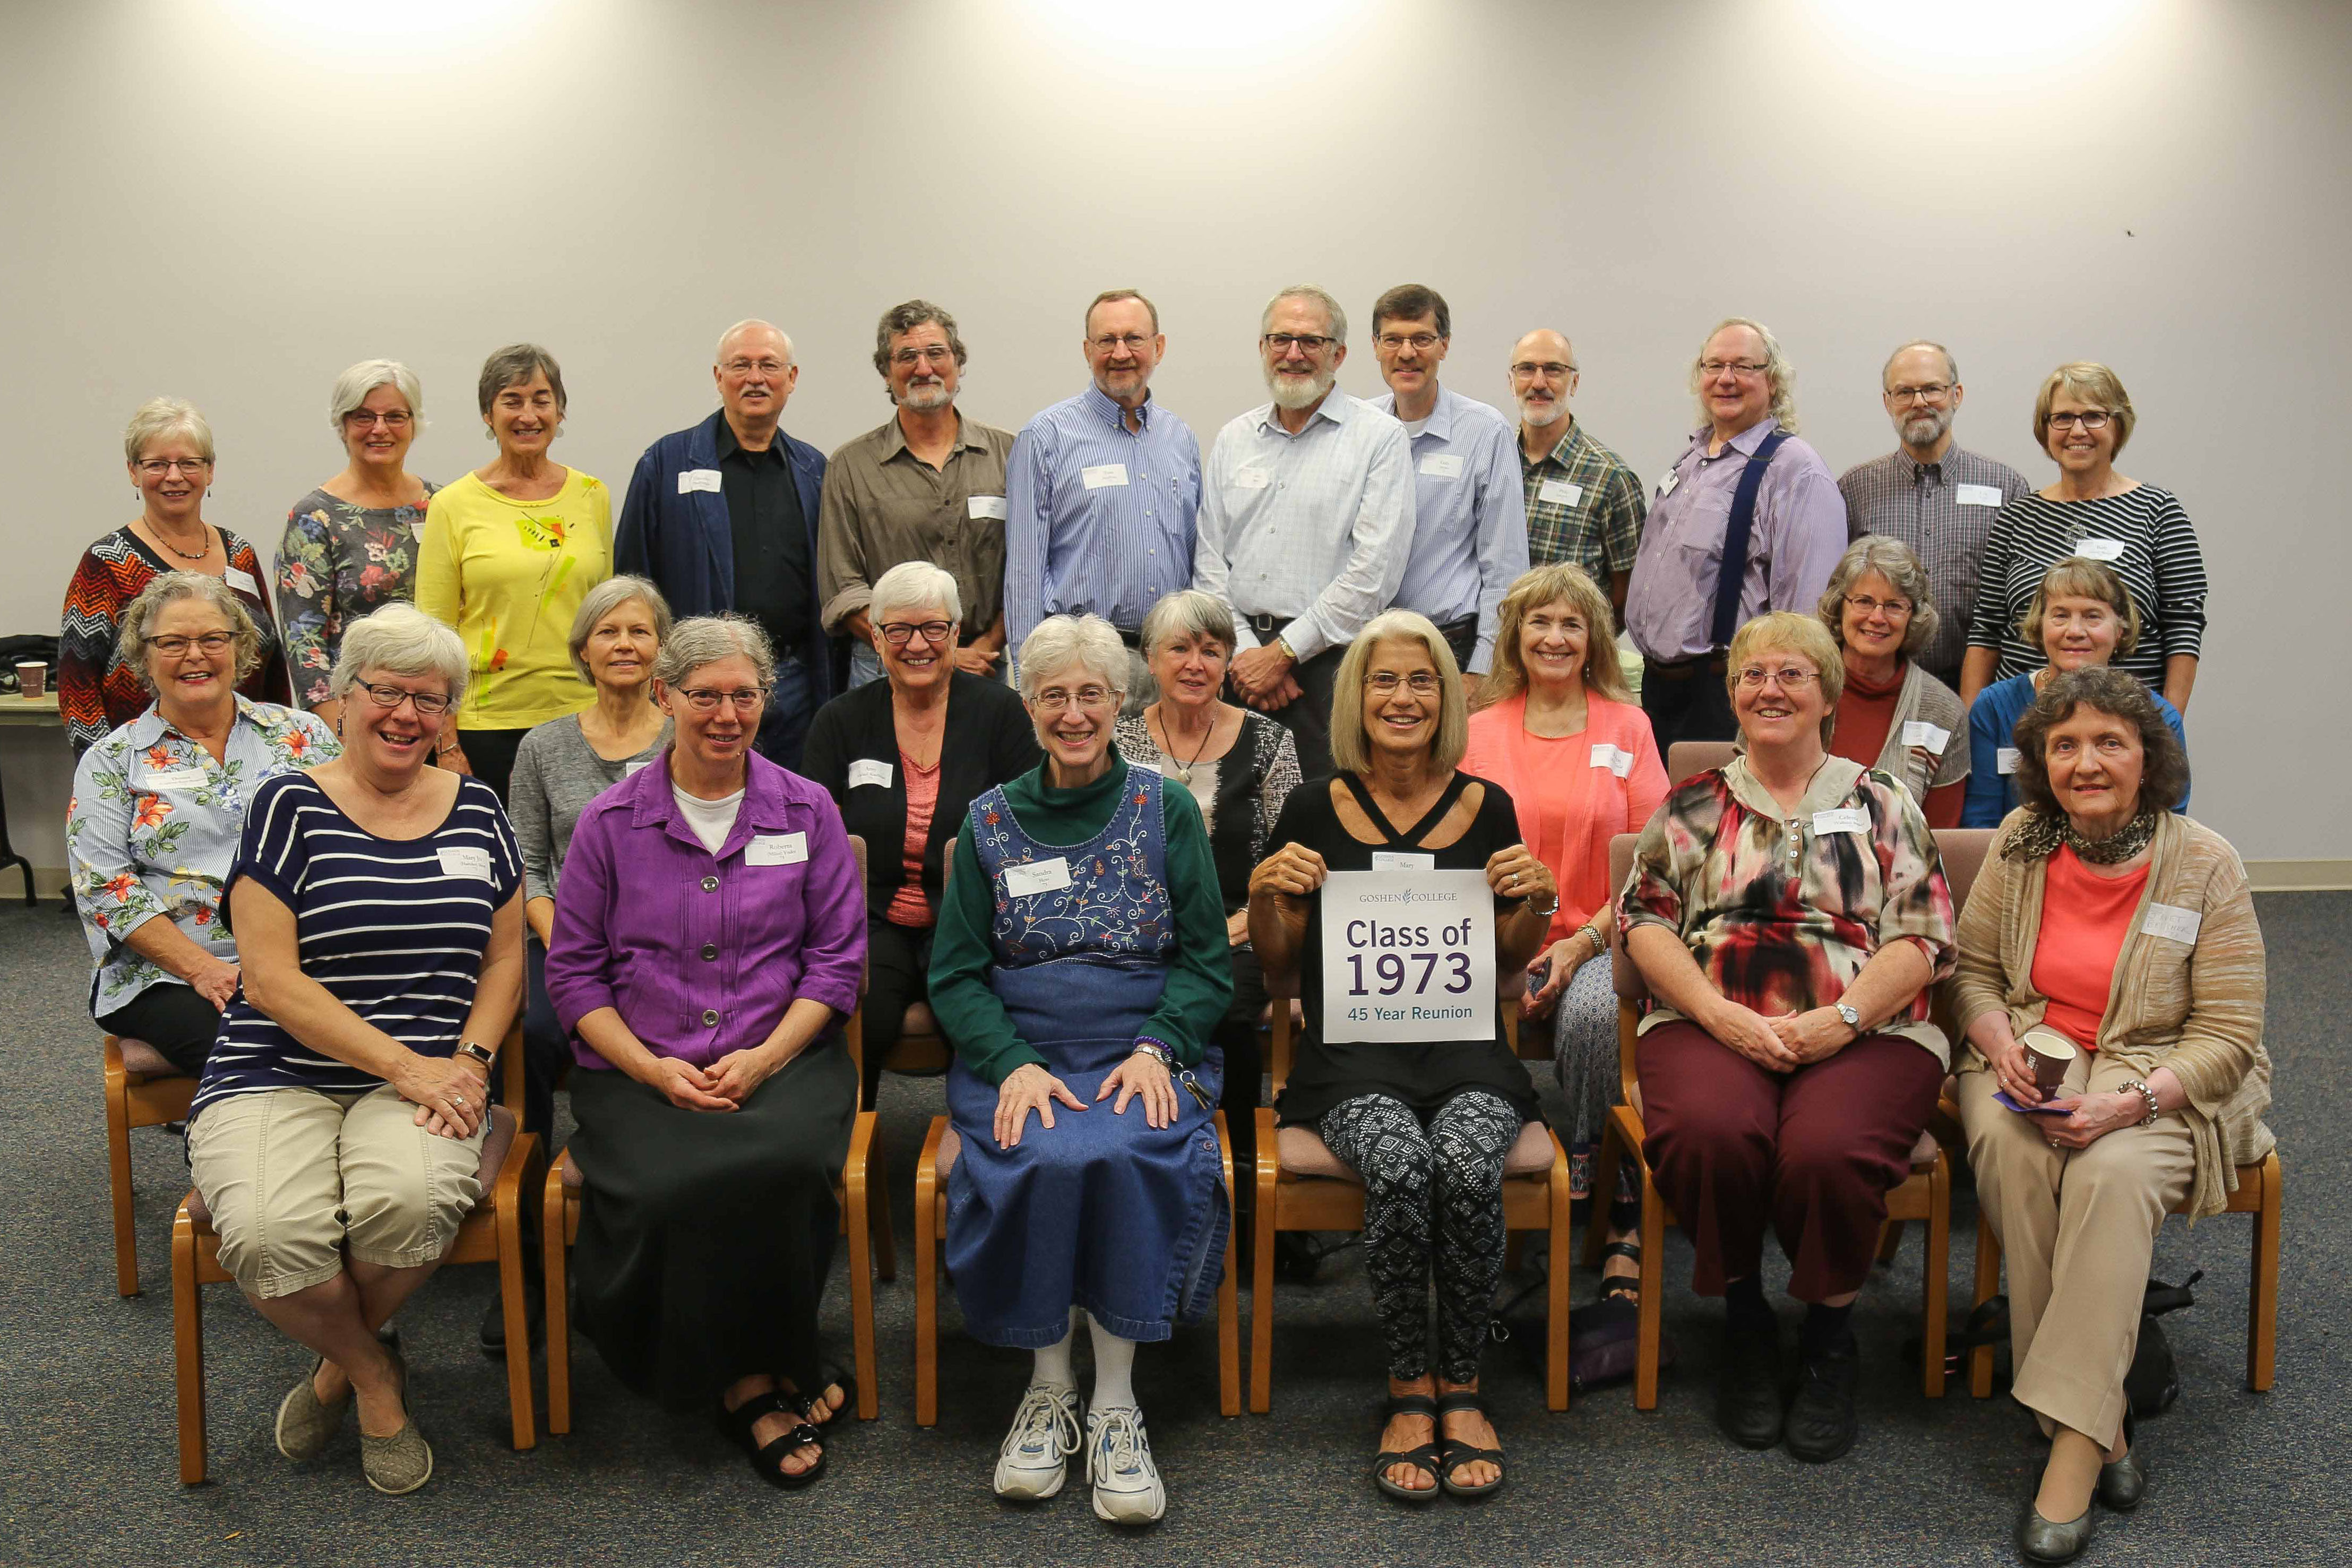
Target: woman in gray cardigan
1893	716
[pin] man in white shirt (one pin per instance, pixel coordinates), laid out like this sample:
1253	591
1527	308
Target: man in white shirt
1306	516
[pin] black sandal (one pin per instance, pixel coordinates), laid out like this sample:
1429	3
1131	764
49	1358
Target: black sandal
806	1403
1456	1453
1621	1287
1424	1458
767	1459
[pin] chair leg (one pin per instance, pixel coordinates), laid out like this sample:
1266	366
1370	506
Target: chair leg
118	1167
188	1349
1988	1282
1262	1224
554	1226
1890	1240
2261	1299
1936	1268
1648	1318
1556	1324
859	1216
927	1280
1605	1161
1229	1304
521	1402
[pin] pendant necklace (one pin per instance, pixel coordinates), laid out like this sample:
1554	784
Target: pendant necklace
1184	770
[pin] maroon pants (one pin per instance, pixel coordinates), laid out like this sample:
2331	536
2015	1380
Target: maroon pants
1734	1147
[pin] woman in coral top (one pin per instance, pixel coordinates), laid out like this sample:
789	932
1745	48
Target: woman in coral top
1565	739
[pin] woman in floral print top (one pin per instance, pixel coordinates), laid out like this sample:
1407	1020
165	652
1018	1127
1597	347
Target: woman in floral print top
157	809
350	544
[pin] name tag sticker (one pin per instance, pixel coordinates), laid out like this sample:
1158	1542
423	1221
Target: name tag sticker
1403	860
1976	495
776	850
2171	923
869	771
1252	478
242	581
174	778
692	480
630	770
1666	486
1843	819
2100	550
464	860
991	506
1098	475
417	527
1616	759
1443	465
1559	492
1036	876
2005	760
1919	732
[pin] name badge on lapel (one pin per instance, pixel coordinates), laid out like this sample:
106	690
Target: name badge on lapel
1926	736
1841	819
1098	475
464	860
1616	759
692	480
160	779
869	770
1559	492
1036	876
2172	923
1403	860
776	850
1443	465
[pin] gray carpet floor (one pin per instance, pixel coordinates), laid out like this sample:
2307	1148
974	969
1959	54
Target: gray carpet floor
88	1472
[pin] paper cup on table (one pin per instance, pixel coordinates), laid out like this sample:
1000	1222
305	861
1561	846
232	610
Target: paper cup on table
33	679
2051	1055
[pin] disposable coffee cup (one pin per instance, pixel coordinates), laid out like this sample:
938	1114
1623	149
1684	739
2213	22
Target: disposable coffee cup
32	678
2052	1054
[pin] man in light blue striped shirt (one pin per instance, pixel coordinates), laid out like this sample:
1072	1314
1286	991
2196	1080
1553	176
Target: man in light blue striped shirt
1470	509
1305	518
1101	489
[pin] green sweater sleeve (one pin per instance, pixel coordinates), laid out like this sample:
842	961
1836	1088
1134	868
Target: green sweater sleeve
961	998
1200	980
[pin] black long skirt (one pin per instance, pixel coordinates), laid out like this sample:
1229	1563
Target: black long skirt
705	1235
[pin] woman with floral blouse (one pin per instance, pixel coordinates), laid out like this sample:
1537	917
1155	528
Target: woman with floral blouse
350	544
157	808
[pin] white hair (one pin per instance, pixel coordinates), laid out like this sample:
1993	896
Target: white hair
352	389
1063	642
161	416
1187	612
706	639
718	354
399	639
914	586
1951	365
1335	319
604	598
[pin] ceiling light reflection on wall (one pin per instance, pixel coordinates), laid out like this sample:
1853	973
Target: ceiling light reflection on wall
1981	36
395	28
1236	30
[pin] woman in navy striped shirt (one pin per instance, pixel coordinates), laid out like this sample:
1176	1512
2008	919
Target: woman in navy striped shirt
378	910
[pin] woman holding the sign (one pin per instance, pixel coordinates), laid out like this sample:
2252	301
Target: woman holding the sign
1893	715
1788	913
1081	955
2110	985
1397	934
709	936
2080	618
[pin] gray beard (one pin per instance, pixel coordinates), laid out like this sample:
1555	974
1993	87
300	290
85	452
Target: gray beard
929	399
1295	393
1935	427
1543	418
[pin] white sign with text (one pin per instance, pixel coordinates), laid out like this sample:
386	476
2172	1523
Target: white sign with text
1408	957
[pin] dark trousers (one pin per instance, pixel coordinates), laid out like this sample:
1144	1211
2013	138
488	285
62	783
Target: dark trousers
1686	702
174	1018
898	975
1812	1154
784	721
1308	716
1462	636
1236	1035
490	754
546	1049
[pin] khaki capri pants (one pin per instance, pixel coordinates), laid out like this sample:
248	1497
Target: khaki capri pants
297	1179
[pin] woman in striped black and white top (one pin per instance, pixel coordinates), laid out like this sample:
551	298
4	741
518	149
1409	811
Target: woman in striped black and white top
2083	418
378	910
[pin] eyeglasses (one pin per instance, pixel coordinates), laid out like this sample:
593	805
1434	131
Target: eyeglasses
899	634
1305	342
156	468
937	354
1052	700
2090	419
428	703
1133	342
739	367
1864	605
1788	675
1714	367
368	419
703	699
1421	343
173	646
1934	392
1550	370
1384	683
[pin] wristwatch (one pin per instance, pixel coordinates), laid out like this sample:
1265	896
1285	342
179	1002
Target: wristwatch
1852	1019
1287	651
488	1057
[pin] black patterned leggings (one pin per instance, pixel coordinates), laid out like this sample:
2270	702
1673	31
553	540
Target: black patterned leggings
1446	1178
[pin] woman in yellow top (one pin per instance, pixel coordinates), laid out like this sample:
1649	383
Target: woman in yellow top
509	552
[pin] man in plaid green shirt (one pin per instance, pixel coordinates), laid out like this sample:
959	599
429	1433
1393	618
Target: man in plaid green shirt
1584	505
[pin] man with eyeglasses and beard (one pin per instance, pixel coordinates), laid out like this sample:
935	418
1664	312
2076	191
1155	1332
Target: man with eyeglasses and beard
1584	502
1307	517
722	515
926	485
1932	494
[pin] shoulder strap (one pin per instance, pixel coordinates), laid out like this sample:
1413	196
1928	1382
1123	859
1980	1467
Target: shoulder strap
1734	570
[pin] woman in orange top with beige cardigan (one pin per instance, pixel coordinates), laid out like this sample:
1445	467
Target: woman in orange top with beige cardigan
1562	735
2129	930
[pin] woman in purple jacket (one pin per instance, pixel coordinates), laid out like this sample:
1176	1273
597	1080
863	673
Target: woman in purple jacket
709	931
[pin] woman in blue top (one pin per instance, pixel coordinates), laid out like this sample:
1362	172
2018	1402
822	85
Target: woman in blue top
378	909
2080	617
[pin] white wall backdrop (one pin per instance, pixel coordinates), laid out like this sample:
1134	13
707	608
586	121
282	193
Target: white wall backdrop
230	200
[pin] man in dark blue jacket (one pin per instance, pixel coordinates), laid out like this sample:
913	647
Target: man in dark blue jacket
723	516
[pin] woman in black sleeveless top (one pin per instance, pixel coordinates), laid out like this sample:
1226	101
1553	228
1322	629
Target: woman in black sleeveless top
1425	1124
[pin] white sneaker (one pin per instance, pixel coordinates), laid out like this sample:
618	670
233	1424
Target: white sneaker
1034	1460
1119	1464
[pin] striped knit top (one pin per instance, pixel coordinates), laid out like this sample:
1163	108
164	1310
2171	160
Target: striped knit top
393	928
2142	534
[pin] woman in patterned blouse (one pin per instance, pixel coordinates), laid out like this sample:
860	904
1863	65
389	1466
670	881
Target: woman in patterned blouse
350	544
1788	913
157	807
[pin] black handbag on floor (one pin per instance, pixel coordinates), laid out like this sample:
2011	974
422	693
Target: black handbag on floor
2153	1384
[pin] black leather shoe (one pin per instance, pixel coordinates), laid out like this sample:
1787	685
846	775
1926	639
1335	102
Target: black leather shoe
1748	1404
1821	1424
2123	1483
2043	1542
494	1319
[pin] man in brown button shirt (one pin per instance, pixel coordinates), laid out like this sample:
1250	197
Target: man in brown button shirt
928	485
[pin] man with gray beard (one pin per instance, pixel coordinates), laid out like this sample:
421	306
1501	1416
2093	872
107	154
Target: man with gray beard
1585	506
1932	495
1306	522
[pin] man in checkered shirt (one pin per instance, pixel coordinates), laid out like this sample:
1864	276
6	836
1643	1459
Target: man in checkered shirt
1584	505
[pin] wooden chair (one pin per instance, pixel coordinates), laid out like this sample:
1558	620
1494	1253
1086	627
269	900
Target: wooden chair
491	1234
1302	1185
1926	1195
142	1090
941	1149
1686	760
